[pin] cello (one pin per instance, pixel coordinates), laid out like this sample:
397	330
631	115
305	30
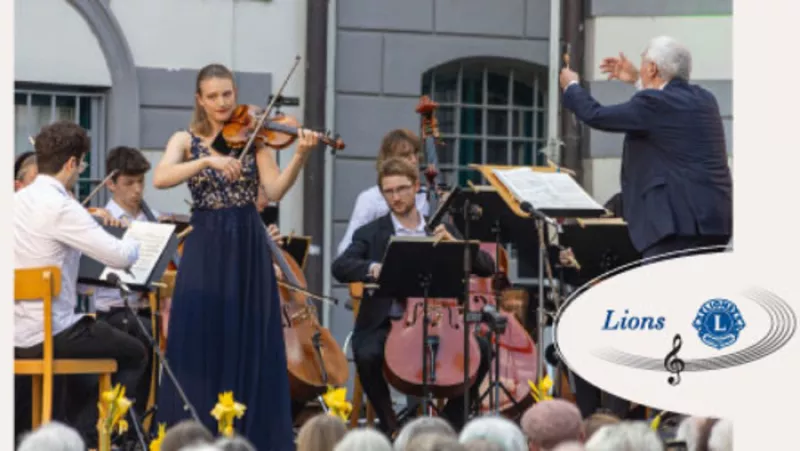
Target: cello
314	359
403	351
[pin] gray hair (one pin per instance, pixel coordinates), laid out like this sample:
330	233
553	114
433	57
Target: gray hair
496	430
721	438
364	440
420	426
628	436
672	58
52	436
482	445
569	446
235	443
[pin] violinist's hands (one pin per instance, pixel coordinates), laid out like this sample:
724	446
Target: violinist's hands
278	272
229	166
108	220
374	270
566	257
306	140
619	68
441	233
275	234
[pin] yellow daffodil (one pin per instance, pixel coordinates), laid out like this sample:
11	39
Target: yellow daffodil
656	422
155	445
225	411
541	391
112	408
336	402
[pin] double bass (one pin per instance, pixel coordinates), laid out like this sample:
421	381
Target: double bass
403	363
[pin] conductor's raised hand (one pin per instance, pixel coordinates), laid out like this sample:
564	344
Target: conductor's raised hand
441	233
566	77
619	68
229	166
306	140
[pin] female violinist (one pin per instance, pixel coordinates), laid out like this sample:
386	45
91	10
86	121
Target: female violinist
225	330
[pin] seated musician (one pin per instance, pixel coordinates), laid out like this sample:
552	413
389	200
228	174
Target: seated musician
370	203
125	205
399	182
52	229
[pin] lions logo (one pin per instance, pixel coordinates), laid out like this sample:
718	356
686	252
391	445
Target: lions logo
718	323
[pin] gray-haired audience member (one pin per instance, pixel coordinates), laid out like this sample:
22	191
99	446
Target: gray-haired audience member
434	441
693	431
549	423
52	436
627	436
419	426
235	443
496	430
481	445
364	440
570	446
185	433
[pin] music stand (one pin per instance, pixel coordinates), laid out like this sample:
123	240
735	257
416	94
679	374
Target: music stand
297	247
405	275
600	245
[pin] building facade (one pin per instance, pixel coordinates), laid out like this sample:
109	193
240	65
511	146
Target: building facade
126	70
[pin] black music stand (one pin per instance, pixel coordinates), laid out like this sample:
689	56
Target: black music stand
297	247
405	275
599	247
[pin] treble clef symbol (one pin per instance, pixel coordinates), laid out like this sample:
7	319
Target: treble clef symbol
673	363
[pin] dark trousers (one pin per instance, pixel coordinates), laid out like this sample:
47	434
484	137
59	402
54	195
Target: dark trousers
123	319
368	354
683	243
76	397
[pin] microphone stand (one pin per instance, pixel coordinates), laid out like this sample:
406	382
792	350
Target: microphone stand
186	404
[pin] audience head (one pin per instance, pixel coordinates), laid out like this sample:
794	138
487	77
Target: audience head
481	445
364	440
235	443
434	441
596	421
320	433
721	436
705	434
60	151
186	433
422	425
549	423
52	436
25	170
496	430
625	436
400	143
570	446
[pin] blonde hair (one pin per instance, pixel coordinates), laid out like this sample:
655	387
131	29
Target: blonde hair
392	144
200	123
320	433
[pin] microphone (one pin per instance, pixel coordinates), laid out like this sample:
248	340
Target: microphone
528	208
114	279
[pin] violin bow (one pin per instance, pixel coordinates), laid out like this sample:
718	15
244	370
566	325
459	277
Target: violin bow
98	188
269	108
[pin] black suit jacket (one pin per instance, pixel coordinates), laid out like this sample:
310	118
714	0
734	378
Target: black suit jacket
369	246
675	176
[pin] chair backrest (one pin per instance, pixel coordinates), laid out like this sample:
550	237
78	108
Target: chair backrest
37	283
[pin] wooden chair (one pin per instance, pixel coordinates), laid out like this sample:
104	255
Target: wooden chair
45	284
356	294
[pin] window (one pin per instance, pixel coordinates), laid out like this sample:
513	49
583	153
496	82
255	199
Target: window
35	108
490	112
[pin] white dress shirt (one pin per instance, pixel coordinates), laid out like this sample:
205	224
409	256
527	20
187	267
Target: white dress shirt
52	229
107	298
370	205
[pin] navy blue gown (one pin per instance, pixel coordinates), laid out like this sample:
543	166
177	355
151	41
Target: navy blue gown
225	331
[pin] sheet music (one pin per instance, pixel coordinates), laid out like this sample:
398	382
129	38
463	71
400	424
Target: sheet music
546	190
153	238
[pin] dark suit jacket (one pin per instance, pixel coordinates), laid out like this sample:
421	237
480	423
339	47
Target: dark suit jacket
369	246
675	176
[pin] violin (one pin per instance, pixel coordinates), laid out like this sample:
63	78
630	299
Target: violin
313	357
279	132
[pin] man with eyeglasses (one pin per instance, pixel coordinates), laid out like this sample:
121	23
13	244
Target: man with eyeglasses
398	182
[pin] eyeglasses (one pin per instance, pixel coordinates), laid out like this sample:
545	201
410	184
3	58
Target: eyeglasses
400	191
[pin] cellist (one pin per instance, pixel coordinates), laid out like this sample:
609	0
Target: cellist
399	183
